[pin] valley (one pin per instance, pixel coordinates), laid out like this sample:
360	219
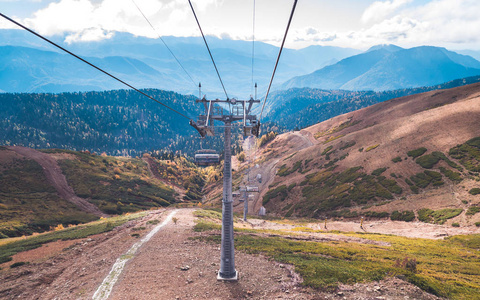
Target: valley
239	150
357	198
371	201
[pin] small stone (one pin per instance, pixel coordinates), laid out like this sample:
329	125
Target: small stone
185	268
340	294
282	266
249	293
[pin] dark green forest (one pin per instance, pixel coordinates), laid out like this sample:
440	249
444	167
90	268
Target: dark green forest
123	122
119	122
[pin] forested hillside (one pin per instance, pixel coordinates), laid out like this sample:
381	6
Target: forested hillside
116	122
123	122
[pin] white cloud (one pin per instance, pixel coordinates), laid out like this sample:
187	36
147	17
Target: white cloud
379	10
87	20
89	35
446	23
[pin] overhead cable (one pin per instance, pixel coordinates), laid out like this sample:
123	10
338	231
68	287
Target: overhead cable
208	48
253	43
278	58
163	41
92	65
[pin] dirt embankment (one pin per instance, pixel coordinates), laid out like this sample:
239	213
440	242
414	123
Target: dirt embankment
57	179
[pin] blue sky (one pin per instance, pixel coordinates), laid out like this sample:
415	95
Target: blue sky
347	23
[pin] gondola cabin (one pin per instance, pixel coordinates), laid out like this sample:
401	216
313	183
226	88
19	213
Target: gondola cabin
207	158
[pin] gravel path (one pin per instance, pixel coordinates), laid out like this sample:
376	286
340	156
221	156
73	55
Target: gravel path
171	265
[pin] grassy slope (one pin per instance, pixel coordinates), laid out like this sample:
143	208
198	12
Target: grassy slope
325	189
361	165
448	268
115	184
28	203
10	247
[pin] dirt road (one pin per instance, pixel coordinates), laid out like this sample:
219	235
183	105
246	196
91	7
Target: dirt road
57	179
171	265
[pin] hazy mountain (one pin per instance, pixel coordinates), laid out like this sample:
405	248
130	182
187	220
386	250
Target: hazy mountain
390	67
472	53
31	70
233	59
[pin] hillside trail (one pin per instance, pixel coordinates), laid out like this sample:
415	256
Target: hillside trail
173	264
300	140
57	179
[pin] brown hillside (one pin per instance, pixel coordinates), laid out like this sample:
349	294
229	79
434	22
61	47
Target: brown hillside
306	165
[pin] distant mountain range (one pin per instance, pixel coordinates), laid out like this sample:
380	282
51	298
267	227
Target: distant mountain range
28	64
389	67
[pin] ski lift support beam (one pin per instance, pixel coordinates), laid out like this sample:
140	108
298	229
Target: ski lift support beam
205	126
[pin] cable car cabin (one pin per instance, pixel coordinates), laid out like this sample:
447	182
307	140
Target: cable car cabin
207	158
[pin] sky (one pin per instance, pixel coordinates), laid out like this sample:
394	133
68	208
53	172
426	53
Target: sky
360	24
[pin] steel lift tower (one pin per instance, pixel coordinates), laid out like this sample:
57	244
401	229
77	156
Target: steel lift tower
240	111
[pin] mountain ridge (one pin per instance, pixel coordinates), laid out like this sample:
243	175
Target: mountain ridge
383	69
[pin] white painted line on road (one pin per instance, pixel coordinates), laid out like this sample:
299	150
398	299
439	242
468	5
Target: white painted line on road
104	290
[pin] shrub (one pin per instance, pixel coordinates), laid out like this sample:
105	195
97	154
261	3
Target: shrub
279	191
477	224
428	161
453	176
455	225
468	154
406	216
439	216
374	214
284	171
425	215
326	150
372	147
18	264
414	189
241	156
265	139
422	180
417	152
378	171
472	210
407	264
348	145
397	159
474	191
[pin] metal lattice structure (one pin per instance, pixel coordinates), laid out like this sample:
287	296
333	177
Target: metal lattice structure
240	111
